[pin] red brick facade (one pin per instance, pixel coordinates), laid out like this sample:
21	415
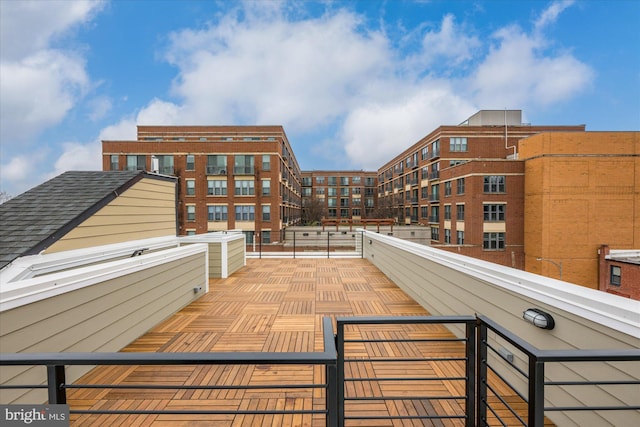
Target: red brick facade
230	177
619	273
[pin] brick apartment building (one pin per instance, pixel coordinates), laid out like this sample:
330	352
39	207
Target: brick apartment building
341	194
465	183
619	271
230	177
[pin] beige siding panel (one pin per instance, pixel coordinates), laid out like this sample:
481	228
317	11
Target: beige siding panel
215	260
445	290
102	317
147	209
235	255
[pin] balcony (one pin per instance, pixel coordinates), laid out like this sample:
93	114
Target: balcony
434	219
434	175
258	347
243	170
434	197
216	170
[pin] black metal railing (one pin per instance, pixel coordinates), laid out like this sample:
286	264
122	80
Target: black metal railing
413	364
312	243
56	364
403	372
497	366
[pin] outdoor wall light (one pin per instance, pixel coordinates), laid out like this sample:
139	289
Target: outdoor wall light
539	318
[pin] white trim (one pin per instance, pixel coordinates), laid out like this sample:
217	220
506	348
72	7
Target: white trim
34	265
613	311
27	291
224	261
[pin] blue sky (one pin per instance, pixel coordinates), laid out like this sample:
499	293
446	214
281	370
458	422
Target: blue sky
352	82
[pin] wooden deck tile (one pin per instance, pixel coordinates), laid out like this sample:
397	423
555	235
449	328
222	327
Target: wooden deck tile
278	305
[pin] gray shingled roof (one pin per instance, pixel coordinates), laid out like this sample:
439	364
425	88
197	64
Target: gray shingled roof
32	221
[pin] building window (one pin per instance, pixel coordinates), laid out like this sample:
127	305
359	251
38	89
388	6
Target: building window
191	187
460	182
114	162
216	165
616	275
191	232
435	233
191	213
217	213
447	188
493	241
243	164
216	187
424	153
356	190
306	181
244	187
332	192
320	190
356	180
266	236
435	214
447	212
493	213
344	181
333	181
319	179
460	212
266	213
458	144
165	164
266	187
136	163
435	190
266	162
368	202
306	192
447	236
332	213
245	213
344	213
494	184
369	182
460	237
332	202
191	162
344	191
356	200
424	212
355	212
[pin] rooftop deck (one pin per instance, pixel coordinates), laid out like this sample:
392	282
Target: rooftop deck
275	305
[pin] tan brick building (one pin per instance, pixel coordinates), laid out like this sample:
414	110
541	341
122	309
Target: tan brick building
582	190
230	177
341	194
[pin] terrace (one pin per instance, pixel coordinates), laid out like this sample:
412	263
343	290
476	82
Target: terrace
258	348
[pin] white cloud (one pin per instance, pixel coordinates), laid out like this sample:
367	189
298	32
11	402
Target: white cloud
79	157
550	14
99	107
39	84
271	71
375	133
16	170
519	73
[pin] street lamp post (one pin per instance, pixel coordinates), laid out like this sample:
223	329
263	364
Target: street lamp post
557	264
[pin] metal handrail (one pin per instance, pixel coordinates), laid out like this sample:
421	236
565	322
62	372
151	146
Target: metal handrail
57	362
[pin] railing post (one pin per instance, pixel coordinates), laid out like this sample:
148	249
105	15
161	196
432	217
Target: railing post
55	381
340	350
294	245
481	366
328	236
260	254
536	392
332	395
471	349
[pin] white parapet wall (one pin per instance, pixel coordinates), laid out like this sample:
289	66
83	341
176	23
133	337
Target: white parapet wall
446	283
227	252
100	304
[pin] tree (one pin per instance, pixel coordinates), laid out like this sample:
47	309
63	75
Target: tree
312	210
387	207
4	196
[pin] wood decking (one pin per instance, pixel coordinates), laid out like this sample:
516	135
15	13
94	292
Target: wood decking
274	305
